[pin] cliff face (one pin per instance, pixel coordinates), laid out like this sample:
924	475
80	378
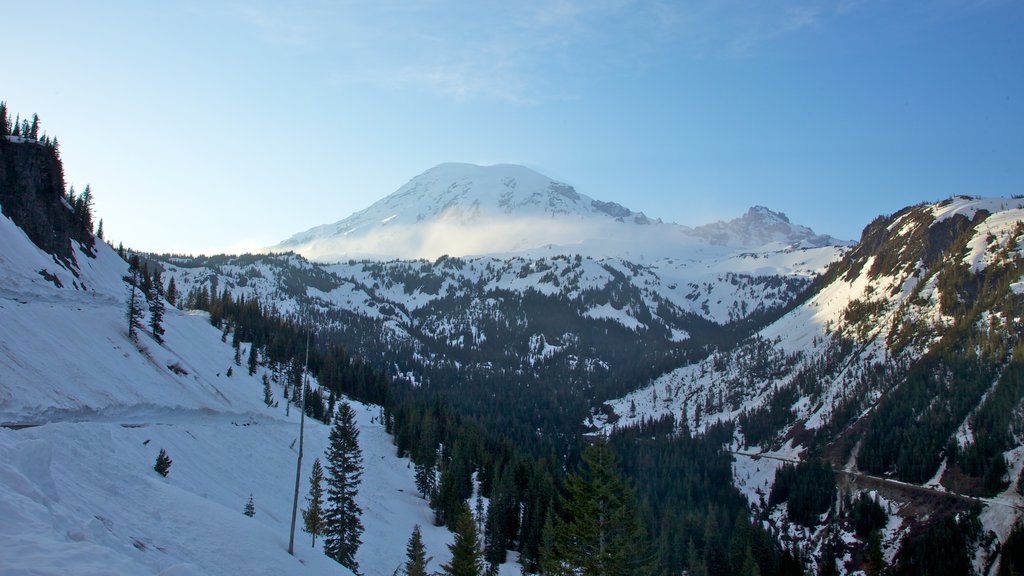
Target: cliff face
32	195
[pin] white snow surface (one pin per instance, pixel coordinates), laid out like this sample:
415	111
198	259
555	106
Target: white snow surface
78	493
461	209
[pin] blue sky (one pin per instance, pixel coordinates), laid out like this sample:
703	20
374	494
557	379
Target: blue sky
212	126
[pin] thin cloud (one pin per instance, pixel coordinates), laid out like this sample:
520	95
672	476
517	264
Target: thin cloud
533	51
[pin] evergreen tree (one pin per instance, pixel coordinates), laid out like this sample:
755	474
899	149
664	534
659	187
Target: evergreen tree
5	122
172	287
598	533
268	394
156	307
33	131
313	517
876	560
134	309
467	559
342	525
253	359
99	230
163	463
416	563
250	507
426	479
85	212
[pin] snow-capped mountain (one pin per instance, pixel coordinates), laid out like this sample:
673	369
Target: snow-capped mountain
760	227
463	209
902	368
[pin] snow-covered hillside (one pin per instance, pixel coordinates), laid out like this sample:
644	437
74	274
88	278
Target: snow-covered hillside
463	209
85	410
845	372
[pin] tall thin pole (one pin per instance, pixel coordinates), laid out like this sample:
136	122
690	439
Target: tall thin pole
298	464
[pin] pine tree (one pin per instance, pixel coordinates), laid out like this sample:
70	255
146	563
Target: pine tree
156	307
268	394
99	230
599	532
342	525
85	213
163	463
253	359
33	131
134	309
250	507
416	563
467	560
426	479
172	287
5	122
313	517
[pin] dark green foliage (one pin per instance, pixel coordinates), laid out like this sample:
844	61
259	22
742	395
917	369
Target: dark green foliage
163	463
466	557
155	297
941	549
1011	562
172	287
342	527
867	515
268	393
416	556
313	515
807	488
253	360
134	306
250	507
682	482
32	193
598	529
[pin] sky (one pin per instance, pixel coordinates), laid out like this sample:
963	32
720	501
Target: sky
208	127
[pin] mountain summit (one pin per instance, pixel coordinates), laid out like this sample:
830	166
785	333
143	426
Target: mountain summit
760	226
464	209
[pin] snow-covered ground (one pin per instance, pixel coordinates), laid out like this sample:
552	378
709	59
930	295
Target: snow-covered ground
87	410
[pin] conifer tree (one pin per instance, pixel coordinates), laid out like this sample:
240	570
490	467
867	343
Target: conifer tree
342	526
467	560
313	517
156	307
99	230
268	394
5	122
426	479
253	359
134	309
416	563
250	507
85	212
172	287
599	532
33	131
163	463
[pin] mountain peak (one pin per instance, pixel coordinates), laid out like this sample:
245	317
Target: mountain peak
462	209
762	225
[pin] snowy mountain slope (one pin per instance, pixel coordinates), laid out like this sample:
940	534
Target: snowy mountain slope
85	411
918	323
463	209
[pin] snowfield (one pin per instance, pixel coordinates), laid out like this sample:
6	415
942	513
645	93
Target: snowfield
85	411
